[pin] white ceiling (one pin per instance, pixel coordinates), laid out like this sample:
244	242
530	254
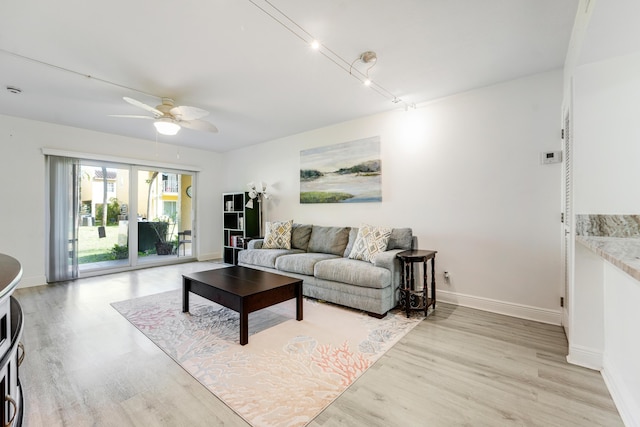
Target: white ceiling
258	80
612	31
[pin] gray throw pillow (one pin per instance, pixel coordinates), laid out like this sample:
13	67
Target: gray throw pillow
328	240
300	235
353	235
401	238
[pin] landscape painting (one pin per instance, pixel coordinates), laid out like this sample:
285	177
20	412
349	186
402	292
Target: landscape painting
349	172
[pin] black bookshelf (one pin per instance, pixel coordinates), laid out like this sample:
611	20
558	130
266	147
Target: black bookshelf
239	224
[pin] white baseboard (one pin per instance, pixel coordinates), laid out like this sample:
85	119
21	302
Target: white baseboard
628	409
28	282
553	317
565	323
585	356
210	257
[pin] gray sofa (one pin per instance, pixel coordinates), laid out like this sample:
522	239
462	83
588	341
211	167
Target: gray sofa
319	256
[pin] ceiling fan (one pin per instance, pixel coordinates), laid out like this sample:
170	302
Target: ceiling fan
168	119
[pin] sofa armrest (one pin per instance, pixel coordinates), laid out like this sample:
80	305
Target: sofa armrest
387	259
255	244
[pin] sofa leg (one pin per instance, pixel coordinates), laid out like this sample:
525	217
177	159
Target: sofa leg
376	315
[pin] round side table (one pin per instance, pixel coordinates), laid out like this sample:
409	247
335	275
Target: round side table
410	297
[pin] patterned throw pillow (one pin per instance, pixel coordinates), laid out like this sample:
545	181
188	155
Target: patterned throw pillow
278	235
370	241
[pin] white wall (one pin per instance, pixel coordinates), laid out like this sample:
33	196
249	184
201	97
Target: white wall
586	343
604	326
464	172
22	192
606	135
621	369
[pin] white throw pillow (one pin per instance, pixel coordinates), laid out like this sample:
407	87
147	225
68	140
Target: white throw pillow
370	241
278	235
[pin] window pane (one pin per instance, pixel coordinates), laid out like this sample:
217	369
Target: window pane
164	213
103	232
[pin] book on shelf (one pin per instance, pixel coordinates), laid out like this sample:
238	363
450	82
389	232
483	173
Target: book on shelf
235	241
243	241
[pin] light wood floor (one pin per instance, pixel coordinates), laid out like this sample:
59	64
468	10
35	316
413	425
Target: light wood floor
86	365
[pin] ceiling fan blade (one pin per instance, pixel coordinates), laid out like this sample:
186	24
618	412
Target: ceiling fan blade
184	112
144	106
201	125
128	116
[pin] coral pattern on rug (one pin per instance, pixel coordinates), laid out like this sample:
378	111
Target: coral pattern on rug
288	372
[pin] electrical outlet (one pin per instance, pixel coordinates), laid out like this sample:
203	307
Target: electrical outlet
446	277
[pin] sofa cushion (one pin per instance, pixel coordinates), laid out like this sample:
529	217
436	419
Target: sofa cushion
328	240
300	234
401	238
353	272
370	241
264	257
278	235
300	263
353	235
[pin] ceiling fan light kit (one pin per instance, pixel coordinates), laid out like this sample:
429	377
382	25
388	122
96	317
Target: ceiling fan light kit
166	126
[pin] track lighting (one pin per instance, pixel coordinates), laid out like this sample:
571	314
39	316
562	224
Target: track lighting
368	57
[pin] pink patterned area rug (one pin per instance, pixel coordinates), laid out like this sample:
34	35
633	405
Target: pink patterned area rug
288	372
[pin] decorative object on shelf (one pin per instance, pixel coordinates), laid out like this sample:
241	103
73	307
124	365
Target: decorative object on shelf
258	192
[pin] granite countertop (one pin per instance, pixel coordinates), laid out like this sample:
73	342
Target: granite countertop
623	252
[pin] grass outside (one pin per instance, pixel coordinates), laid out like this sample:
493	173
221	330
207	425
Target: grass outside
92	248
323	197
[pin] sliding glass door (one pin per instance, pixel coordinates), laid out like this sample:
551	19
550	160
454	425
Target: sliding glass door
103	232
165	219
112	216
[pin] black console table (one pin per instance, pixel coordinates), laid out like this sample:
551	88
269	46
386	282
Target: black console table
410	297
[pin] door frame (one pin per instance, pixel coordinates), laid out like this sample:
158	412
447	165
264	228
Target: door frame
568	218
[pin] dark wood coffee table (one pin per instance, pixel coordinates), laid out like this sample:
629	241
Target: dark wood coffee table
242	289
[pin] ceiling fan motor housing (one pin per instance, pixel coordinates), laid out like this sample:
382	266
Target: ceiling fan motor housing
165	107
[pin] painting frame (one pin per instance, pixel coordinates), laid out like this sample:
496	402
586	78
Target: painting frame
347	172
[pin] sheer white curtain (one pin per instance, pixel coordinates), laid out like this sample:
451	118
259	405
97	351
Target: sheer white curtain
62	218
